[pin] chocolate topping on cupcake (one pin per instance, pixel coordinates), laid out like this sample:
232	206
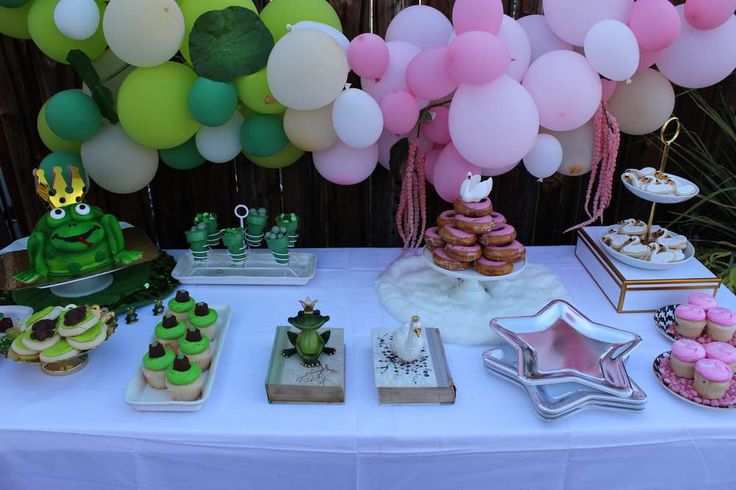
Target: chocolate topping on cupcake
201	309
75	315
182	296
181	363
42	330
194	335
6	323
169	321
156	350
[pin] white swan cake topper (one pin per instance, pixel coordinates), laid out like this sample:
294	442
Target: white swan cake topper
407	340
474	190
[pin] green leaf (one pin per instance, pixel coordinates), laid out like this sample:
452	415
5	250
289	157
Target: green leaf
227	44
102	95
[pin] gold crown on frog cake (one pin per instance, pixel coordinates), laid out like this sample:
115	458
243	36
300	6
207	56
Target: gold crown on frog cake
60	193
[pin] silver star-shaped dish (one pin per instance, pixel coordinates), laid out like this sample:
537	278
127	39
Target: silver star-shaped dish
559	345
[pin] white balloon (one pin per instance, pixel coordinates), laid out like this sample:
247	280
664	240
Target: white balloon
420	25
117	163
143	32
545	157
541	37
77	19
577	149
518	42
357	118
612	50
338	36
220	144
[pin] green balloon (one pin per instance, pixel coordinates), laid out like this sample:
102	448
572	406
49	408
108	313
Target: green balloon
277	14
212	103
52	42
182	157
263	135
50	139
73	115
254	92
192	9
64	160
12	4
281	159
14	21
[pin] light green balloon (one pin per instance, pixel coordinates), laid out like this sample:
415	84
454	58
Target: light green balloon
283	158
14	21
192	9
213	103
182	157
262	135
52	42
153	105
254	92
50	139
73	115
277	14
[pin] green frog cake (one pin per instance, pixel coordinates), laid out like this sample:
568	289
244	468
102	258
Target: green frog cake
73	238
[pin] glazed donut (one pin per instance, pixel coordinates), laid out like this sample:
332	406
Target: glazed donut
499	235
505	253
446	218
452	235
432	238
440	257
492	268
498	218
477	226
463	253
474	209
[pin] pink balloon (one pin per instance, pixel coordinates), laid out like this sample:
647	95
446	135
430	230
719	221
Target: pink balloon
345	165
385	142
648	58
449	171
608	87
517	41
494	172
572	19
394	79
565	89
541	37
429	163
400	111
476	58
612	50
438	129
494	125
427	76
698	58
477	15
655	24
708	14
368	56
420	25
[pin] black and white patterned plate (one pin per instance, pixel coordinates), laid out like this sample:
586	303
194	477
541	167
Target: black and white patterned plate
660	375
663	319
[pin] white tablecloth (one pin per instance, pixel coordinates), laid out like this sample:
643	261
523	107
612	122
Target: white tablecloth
77	431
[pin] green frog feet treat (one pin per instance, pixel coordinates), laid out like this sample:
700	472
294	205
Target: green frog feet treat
184	379
205	319
209	220
278	243
290	222
197	240
76	320
169	330
256	223
60	351
234	240
181	305
42	335
156	362
196	347
73	238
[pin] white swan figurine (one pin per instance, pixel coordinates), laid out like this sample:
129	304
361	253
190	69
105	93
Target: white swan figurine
407	340
473	190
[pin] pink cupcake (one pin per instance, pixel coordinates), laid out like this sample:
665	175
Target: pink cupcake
721	324
702	300
712	378
690	321
723	352
685	353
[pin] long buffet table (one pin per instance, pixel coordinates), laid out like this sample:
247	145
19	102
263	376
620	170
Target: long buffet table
78	432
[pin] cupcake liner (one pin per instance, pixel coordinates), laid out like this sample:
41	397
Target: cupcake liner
199	256
254	240
719	332
157	379
203	359
170	344
711	390
691	330
186	393
681	368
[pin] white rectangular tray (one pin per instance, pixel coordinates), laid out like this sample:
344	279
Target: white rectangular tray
260	268
145	398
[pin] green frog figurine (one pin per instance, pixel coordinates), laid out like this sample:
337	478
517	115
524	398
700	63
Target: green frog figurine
308	343
73	238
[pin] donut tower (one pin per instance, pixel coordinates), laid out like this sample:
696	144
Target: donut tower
473	234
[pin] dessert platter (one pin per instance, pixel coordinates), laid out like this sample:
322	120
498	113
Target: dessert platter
647	183
179	367
239	263
701	319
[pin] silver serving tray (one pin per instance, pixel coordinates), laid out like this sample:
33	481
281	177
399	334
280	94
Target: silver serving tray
259	268
559	344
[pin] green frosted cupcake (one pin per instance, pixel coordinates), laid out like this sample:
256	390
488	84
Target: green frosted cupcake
184	379
169	330
181	305
205	319
196	347
156	362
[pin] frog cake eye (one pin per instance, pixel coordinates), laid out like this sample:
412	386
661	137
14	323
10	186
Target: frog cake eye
57	214
82	209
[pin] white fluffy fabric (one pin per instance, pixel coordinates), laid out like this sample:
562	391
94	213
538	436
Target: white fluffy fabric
409	287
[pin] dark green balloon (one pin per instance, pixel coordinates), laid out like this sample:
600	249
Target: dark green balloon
13	4
262	135
212	103
64	160
73	115
182	157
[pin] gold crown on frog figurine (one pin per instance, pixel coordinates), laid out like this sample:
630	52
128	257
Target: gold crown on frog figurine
60	193
308	305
